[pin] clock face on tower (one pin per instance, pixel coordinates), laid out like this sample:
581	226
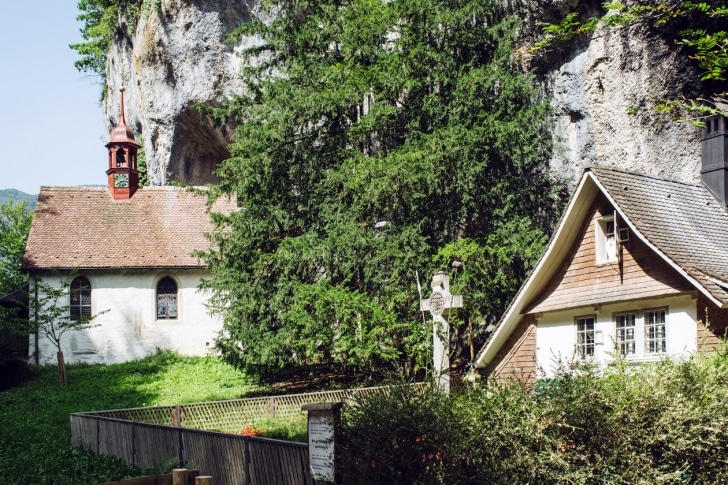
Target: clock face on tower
121	180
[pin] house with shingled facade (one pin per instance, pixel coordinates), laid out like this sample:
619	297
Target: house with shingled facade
127	251
637	268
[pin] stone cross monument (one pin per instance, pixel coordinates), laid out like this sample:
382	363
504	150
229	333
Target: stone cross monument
439	304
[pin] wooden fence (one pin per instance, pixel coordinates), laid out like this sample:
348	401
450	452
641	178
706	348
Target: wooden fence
183	435
231	459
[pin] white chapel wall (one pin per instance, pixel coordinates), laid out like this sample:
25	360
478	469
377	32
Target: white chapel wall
556	331
130	329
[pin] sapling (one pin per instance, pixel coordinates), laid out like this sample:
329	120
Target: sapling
52	318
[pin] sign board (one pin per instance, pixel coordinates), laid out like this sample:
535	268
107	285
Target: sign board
321	446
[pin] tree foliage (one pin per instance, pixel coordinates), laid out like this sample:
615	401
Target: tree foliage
102	21
379	138
701	28
15	220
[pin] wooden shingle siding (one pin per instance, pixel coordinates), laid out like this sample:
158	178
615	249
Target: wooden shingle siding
517	358
581	282
712	324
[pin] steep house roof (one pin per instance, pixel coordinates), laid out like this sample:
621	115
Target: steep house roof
83	228
682	223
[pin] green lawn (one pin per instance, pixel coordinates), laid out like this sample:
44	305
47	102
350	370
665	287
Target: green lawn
34	431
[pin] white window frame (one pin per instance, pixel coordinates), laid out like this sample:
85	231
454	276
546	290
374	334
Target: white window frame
626	333
605	241
646	341
659	336
586	338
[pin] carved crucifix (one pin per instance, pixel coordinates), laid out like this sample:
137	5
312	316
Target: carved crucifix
439	304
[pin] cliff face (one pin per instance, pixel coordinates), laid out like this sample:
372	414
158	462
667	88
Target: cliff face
177	59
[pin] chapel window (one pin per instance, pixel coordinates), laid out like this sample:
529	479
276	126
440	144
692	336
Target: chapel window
166	299
80	306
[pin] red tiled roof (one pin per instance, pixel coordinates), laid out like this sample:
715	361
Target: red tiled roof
82	227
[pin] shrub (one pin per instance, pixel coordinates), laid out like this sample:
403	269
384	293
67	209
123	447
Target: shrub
660	423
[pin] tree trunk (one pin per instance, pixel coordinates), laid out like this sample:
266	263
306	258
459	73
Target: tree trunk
61	369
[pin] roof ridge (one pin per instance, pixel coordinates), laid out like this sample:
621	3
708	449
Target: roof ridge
639	174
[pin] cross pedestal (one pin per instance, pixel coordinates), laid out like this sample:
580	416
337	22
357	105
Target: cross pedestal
439	304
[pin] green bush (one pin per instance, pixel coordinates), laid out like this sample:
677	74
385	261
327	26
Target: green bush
661	423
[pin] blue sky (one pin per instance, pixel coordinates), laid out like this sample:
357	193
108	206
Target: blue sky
51	123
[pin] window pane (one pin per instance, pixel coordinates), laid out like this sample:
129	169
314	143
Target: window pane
625	334
585	337
655	341
166	298
80	298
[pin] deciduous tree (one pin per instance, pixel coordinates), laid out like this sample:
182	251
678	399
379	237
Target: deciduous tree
15	220
50	316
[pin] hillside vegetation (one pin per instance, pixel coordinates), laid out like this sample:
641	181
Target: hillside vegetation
660	423
16	196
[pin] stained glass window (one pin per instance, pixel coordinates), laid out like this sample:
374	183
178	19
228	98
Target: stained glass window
166	299
80	298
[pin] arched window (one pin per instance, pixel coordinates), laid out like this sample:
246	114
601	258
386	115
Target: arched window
166	299
120	158
80	298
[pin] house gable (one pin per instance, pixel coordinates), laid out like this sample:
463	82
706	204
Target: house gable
582	281
517	359
674	258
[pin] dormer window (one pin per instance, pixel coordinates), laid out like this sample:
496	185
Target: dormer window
605	240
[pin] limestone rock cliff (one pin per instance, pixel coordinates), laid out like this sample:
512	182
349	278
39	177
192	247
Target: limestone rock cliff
177	58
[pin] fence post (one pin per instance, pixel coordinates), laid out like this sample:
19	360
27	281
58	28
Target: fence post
179	476
206	480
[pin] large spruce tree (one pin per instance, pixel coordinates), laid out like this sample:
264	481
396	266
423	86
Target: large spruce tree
378	138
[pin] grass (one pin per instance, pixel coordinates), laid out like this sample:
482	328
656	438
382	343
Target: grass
34	432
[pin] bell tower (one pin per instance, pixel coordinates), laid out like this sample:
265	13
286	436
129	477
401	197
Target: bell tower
123	177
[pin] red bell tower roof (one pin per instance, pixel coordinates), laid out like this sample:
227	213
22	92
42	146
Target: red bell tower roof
123	173
122	133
